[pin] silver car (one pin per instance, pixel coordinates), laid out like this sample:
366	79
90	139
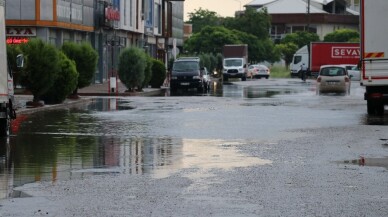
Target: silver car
258	71
333	79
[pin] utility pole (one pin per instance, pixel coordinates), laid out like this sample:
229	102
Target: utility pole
308	15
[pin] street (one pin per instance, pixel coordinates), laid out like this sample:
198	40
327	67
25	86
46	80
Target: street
262	147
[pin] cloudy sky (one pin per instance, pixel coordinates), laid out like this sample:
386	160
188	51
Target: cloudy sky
224	8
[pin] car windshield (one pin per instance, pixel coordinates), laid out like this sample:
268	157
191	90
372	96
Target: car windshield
232	62
332	71
354	68
185	66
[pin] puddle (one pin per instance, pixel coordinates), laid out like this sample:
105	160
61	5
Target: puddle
369	162
51	155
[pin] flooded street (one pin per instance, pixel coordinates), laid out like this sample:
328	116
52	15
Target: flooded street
255	148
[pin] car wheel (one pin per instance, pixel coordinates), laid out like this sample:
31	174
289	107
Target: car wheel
244	78
225	78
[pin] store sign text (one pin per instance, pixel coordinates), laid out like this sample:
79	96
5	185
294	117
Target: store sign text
21	31
17	40
112	14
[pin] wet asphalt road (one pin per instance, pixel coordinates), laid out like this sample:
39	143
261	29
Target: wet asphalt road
256	148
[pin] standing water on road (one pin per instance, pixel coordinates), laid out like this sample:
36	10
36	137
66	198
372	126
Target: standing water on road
160	135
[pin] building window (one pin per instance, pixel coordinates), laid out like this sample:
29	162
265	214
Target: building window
158	18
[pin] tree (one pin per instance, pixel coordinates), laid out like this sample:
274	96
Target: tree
41	67
343	35
300	38
252	22
132	64
201	18
210	39
65	83
287	51
85	58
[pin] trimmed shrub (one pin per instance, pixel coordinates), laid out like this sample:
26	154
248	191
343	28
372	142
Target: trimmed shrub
65	83
148	71
132	64
85	58
12	52
158	73
41	67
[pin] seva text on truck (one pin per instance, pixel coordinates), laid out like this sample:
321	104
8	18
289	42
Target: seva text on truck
317	54
235	61
374	48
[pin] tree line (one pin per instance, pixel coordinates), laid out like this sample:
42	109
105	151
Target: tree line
211	32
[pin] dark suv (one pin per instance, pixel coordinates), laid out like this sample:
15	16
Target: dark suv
186	73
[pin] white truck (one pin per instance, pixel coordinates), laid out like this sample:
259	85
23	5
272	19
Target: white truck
235	61
374	48
7	112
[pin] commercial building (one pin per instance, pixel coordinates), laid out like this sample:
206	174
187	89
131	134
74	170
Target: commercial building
109	25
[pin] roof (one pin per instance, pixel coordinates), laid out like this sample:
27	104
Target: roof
323	2
259	2
291	7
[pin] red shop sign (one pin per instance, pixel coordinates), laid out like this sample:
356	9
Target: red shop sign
17	40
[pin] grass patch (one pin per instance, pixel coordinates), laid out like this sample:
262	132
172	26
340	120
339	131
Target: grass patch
280	72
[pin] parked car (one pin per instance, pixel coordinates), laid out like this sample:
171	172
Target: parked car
353	71
333	79
186	73
258	71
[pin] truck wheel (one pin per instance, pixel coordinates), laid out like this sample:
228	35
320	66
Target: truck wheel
370	107
375	108
4	127
380	109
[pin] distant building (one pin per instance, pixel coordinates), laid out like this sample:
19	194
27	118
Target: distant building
187	31
318	16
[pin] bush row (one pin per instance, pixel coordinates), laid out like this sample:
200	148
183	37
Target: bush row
52	74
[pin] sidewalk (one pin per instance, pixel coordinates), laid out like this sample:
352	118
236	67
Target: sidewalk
94	90
104	90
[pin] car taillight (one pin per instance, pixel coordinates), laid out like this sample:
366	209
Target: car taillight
347	79
319	79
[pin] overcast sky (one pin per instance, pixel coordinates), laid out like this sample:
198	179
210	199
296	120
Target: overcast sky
224	8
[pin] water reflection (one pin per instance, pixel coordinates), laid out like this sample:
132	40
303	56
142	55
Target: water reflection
371	162
73	143
375	119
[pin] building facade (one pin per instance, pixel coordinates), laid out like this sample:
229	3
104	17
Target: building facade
109	25
318	16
